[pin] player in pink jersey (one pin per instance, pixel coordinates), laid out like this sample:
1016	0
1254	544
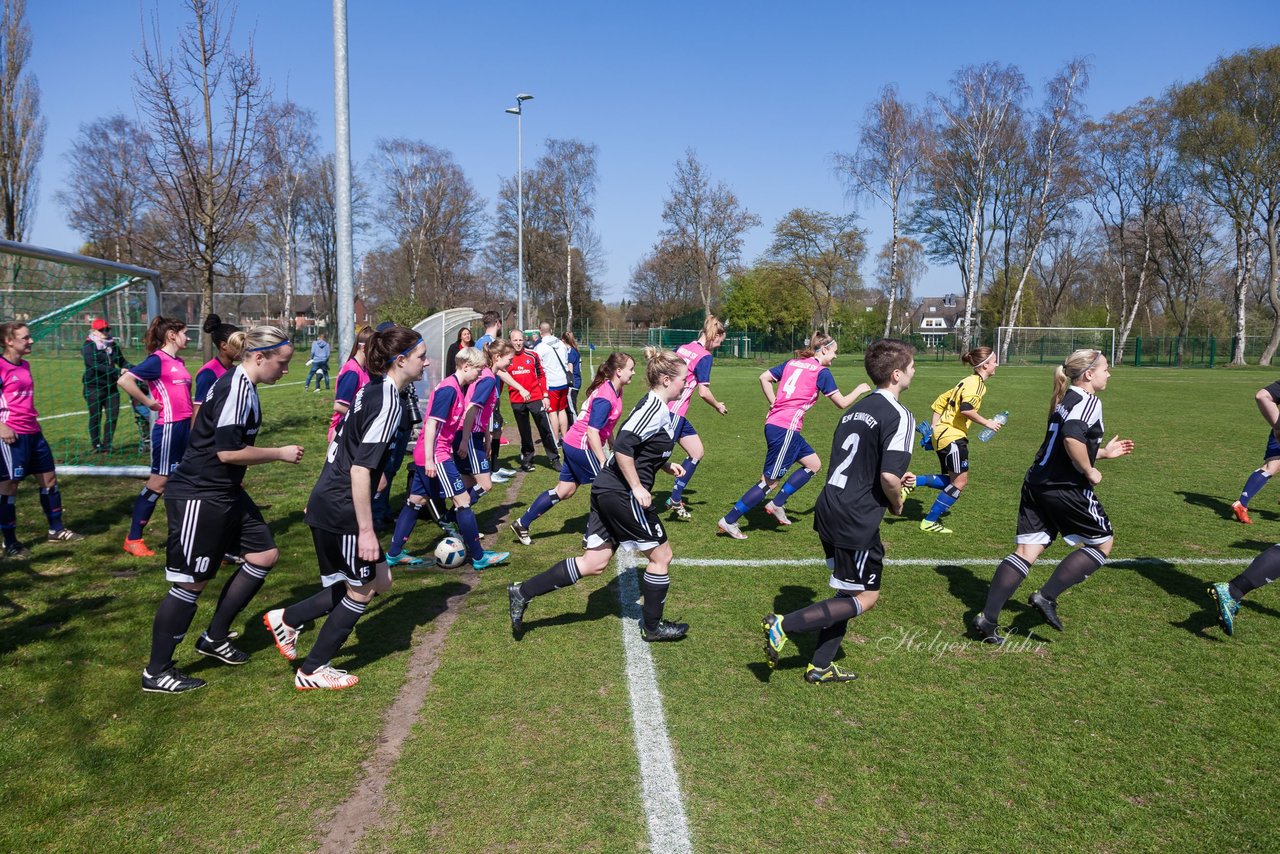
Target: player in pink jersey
436	473
697	355
169	396
583	445
23	449
471	445
221	362
350	380
800	381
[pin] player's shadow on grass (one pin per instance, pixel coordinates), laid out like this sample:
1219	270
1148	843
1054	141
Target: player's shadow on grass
602	603
40	625
1193	588
969	587
281	525
1222	507
101	518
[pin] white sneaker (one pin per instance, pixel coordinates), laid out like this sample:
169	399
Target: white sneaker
499	477
779	513
326	677
507	472
731	529
285	636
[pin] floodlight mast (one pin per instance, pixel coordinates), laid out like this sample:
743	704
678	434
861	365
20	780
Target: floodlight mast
518	112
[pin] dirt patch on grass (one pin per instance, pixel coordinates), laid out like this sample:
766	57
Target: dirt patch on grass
364	811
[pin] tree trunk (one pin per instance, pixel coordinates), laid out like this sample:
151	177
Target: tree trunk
1273	273
1137	301
893	271
970	288
1244	272
568	285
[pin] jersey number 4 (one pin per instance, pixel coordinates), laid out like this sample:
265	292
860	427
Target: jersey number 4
838	478
789	387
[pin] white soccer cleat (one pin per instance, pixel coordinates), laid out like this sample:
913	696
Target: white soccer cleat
731	529
285	636
779	513
325	678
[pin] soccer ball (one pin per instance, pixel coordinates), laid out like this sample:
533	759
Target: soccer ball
451	553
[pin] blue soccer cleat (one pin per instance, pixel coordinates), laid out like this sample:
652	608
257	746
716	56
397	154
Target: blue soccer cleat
1228	607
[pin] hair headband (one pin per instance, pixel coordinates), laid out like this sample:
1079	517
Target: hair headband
268	346
990	356
412	347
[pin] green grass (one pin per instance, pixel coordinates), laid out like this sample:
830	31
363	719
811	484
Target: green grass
1139	728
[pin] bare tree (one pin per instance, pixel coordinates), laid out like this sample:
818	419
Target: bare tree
570	167
1128	156
892	149
106	194
1062	267
980	124
21	125
823	251
897	274
664	284
1189	259
203	102
289	155
707	222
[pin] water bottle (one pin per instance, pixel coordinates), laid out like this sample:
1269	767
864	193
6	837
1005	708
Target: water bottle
1001	418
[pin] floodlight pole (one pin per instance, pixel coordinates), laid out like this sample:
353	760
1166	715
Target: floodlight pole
345	297
518	112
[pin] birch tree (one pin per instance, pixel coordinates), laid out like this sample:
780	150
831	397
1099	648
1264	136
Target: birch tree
570	170
892	147
21	125
289	154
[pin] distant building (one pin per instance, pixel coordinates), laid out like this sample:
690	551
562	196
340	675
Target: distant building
936	317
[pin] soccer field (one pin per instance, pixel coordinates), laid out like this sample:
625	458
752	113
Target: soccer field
1141	727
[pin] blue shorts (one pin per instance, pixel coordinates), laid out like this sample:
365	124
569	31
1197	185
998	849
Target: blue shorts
684	428
168	444
783	448
475	460
579	466
446	484
1273	448
29	455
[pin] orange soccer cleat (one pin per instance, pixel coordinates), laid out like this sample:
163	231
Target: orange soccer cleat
1242	513
137	548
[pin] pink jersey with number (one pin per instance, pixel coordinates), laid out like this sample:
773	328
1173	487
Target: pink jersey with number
17	397
576	436
447	426
797	392
485	416
693	353
172	390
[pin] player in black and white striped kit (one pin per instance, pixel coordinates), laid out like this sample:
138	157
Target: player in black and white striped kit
622	505
1058	497
869	458
211	515
353	567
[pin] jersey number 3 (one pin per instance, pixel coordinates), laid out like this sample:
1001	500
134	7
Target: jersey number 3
838	477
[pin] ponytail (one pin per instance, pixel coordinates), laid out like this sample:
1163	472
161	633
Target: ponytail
817	341
977	356
661	363
1075	366
495	349
711	327
608	369
158	332
385	347
220	331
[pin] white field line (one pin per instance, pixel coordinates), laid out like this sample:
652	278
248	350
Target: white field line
944	561
663	805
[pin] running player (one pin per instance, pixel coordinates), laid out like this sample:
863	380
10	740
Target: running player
870	454
23	449
353	567
953	411
800	381
211	514
1268	400
472	442
169	396
351	379
584	453
697	355
622	506
1227	595
218	365
436	473
1057	495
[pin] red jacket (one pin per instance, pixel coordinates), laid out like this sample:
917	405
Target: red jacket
526	369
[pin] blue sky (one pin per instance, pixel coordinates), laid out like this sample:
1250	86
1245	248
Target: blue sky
765	92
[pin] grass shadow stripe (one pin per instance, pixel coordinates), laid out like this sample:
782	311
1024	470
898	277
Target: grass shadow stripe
660	785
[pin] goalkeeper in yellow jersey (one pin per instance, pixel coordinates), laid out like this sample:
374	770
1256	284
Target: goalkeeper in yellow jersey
953	411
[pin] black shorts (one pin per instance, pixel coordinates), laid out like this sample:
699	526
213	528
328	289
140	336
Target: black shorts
1076	514
202	530
617	518
341	562
955	457
855	570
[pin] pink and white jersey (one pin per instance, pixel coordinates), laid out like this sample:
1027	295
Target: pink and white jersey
698	358
17	397
351	379
169	384
576	436
799	383
484	393
446	405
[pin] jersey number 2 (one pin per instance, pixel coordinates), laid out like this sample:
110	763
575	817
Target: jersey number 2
838	477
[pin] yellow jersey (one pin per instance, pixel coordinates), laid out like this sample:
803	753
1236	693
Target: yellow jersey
953	424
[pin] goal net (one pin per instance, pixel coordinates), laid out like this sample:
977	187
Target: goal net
59	295
1047	345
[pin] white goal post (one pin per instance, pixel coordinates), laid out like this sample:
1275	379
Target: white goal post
1045	345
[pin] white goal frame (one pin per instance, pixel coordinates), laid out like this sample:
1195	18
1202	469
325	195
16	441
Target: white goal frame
1005	334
